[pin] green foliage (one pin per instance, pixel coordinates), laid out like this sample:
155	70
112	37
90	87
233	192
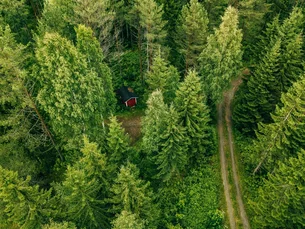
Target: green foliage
280	66
75	110
89	46
117	142
194	115
154	122
172	158
283	138
164	77
192	28
55	225
150	19
21	204
221	58
281	200
133	195
127	220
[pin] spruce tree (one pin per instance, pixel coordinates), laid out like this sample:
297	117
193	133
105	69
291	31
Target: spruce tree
117	142
21	204
164	77
172	158
220	61
151	21
127	220
192	28
154	122
89	46
284	137
194	115
280	202
133	195
76	109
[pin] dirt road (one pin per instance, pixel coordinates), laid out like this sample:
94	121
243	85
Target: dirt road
224	110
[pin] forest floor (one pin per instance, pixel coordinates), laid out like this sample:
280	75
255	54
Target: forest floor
226	150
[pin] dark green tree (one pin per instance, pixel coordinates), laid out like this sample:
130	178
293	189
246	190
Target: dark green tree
220	61
117	142
280	202
192	28
164	77
283	138
194	115
172	158
21	204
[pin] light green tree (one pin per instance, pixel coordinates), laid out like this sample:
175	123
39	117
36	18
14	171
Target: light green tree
117	142
69	92
220	61
194	115
164	77
192	33
63	225
172	157
150	18
21	204
89	46
127	220
280	201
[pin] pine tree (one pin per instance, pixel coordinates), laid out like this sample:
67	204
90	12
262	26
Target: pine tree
75	109
133	195
192	28
274	73
172	158
127	220
280	201
22	205
150	18
284	137
221	59
154	122
259	94
164	77
117	142
194	114
88	45
99	16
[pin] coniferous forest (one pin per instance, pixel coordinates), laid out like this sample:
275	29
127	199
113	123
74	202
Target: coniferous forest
74	156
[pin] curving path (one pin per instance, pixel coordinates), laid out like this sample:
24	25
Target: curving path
224	110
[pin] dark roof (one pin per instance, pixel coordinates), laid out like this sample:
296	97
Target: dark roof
126	93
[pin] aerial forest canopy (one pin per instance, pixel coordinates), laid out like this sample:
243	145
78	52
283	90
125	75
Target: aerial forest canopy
73	156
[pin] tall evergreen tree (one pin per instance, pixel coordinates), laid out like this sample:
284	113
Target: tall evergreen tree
22	205
274	73
150	18
192	32
221	59
164	77
280	201
133	194
117	142
194	114
284	137
154	122
88	45
172	158
74	110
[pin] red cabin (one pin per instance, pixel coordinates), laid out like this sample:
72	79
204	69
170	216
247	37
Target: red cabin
128	96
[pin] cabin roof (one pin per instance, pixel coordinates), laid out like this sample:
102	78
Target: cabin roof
126	93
